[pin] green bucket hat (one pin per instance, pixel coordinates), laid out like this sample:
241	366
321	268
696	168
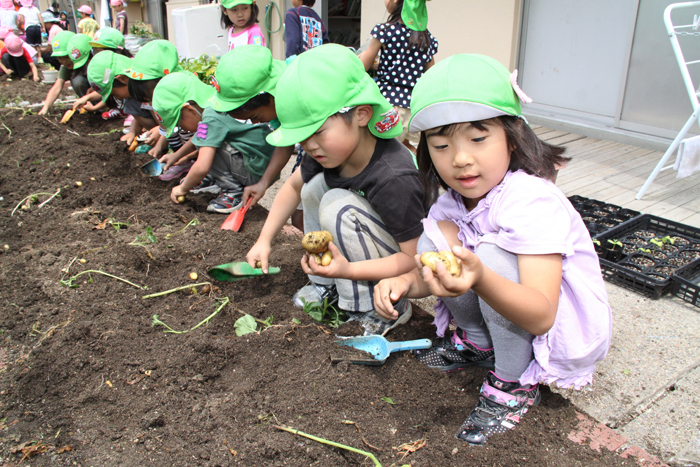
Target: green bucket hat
155	60
318	84
233	3
79	49
242	74
103	69
60	43
107	38
173	91
464	88
414	15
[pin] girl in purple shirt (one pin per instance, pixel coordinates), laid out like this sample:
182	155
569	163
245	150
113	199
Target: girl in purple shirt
530	301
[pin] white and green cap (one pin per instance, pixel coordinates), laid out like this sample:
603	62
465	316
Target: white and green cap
108	38
322	82
464	88
172	92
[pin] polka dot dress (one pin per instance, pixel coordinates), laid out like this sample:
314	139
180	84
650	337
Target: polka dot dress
400	66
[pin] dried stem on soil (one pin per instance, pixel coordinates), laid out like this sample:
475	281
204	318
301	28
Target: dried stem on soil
224	301
71	280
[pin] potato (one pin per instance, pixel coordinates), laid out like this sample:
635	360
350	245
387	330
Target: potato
318	258
317	242
181	199
326	258
133	145
445	257
258	264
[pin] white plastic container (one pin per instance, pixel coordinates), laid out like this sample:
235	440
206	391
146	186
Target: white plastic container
50	76
197	30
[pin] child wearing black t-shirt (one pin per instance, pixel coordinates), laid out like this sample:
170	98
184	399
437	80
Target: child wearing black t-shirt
356	181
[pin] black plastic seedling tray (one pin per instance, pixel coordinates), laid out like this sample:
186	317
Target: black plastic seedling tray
686	284
599	216
642	280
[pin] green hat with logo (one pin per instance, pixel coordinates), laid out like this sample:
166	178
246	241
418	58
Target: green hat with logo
233	3
107	38
173	91
320	83
464	88
155	60
414	15
79	49
242	74
60	43
103	69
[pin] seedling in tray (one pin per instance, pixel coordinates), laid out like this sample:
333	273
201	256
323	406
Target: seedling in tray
615	243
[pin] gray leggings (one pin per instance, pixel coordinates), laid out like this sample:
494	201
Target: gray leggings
358	232
483	325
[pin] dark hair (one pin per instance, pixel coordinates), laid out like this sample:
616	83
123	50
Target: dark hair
254	10
111	101
253	103
529	153
346	116
142	90
418	39
308	2
120	51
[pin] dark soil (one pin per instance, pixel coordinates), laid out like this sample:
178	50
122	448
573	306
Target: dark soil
86	378
14	91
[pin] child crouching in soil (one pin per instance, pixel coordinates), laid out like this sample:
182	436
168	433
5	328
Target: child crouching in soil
530	300
356	181
233	153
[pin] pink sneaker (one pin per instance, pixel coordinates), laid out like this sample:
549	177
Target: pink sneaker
129	120
176	170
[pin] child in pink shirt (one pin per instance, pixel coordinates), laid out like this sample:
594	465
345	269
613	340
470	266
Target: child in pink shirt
240	17
530	301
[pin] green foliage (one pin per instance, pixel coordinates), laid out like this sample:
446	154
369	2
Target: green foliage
324	313
203	66
388	400
615	242
245	325
248	324
139	29
596	242
645	250
146	239
657	242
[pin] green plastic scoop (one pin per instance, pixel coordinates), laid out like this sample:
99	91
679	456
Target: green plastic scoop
231	272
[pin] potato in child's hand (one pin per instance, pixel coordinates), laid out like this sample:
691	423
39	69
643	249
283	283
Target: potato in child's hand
317	242
430	259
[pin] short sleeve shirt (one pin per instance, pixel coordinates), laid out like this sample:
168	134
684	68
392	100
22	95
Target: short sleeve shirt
122	18
217	128
251	36
88	26
31	15
400	66
389	183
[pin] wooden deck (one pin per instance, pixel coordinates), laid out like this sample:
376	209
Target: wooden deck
614	173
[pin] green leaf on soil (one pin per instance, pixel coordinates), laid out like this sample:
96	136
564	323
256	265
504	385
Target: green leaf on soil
245	325
388	400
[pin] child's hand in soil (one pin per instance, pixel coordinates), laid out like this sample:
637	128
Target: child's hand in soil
153	136
260	252
128	138
80	102
386	293
169	160
443	284
177	190
339	268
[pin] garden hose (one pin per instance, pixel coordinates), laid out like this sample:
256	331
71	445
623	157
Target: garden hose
268	21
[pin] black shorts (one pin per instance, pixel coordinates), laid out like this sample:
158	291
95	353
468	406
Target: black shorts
33	35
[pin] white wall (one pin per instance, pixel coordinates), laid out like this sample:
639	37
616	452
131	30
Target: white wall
463	26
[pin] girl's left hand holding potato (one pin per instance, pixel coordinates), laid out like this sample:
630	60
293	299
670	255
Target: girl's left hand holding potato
338	268
443	284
